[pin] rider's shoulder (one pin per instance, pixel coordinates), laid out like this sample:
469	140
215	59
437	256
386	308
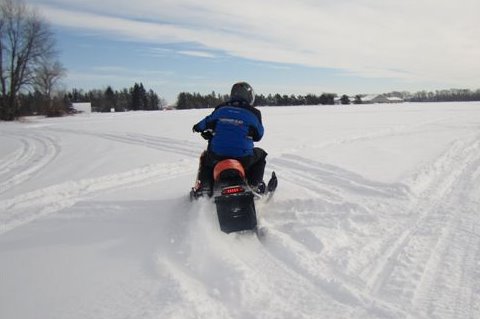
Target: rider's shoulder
243	106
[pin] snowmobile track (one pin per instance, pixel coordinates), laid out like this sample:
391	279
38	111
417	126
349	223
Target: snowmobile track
164	144
29	206
419	256
37	151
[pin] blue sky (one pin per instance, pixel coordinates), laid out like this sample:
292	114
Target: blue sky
285	46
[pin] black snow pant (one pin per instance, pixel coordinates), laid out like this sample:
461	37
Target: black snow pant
254	166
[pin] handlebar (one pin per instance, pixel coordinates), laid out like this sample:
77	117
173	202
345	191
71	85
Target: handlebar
207	134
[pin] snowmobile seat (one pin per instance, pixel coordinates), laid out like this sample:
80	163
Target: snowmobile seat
228	172
228	168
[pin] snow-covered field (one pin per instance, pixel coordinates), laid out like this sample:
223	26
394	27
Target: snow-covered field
376	216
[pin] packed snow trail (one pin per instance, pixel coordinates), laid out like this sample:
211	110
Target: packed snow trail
36	151
376	216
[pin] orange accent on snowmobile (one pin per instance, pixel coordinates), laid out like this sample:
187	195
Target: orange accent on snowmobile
228	164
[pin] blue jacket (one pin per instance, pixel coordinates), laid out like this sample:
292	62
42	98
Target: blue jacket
235	127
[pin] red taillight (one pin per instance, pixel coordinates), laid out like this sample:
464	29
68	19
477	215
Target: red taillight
232	190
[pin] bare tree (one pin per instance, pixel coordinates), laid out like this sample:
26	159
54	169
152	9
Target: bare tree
47	76
25	43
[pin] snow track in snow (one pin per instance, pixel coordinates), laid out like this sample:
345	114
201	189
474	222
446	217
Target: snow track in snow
29	206
37	151
167	144
418	245
410	270
247	277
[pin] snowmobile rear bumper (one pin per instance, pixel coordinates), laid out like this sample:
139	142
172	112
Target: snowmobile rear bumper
236	212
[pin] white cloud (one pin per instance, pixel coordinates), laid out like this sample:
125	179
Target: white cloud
201	54
410	40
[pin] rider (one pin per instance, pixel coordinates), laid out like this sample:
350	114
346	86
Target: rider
231	130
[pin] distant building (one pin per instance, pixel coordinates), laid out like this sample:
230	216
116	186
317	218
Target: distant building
370	99
395	99
83	107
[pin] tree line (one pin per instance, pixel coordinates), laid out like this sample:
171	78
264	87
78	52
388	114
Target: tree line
30	73
187	100
135	98
196	100
452	95
290	100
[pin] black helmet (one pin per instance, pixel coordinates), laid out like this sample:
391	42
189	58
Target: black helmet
242	91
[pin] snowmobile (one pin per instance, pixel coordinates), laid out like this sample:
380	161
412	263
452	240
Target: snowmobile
233	197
